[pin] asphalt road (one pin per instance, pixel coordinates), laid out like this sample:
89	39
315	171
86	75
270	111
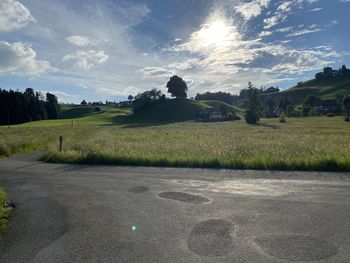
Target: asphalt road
72	213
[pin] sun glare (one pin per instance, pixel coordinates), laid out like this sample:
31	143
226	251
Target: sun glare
216	33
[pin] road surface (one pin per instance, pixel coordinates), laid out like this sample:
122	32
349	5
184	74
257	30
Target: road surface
79	213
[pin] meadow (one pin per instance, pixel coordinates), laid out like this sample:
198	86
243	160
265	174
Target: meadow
313	143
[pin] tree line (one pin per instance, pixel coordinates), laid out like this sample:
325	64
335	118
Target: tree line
232	99
19	107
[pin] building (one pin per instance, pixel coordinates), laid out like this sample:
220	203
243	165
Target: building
327	106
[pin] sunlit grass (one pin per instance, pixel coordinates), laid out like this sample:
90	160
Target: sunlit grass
301	144
315	143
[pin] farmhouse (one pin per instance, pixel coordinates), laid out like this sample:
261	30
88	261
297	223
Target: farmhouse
215	115
326	106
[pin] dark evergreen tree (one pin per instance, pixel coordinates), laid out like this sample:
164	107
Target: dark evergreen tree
18	107
52	106
253	106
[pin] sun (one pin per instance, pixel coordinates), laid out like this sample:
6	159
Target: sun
216	33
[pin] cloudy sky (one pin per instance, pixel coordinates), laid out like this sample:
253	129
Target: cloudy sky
108	49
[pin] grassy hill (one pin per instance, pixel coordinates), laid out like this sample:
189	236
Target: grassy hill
325	89
76	112
172	110
218	104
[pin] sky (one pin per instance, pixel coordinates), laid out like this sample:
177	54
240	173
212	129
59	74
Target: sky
109	49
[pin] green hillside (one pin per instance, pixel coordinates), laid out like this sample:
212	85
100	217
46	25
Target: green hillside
228	107
325	89
172	110
76	111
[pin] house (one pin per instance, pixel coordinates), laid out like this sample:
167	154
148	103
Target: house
215	115
326	106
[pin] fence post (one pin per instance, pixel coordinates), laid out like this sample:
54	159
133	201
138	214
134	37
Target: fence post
61	143
8	119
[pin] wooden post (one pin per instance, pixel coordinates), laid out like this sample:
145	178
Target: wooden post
60	143
8	119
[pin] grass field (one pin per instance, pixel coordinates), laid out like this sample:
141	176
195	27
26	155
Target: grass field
4	212
314	143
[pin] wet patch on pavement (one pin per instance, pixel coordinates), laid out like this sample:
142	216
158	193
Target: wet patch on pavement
137	251
211	238
296	247
183	197
138	189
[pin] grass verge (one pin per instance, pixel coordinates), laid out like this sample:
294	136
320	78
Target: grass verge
263	163
5	212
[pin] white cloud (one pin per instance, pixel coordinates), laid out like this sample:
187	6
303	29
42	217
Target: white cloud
152	72
251	9
86	60
265	33
20	58
284	10
237	59
311	29
13	15
316	9
81	41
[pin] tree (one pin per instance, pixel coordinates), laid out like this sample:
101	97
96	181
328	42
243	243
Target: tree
18	107
177	87
312	101
146	98
52	106
290	111
253	106
283	104
84	103
130	97
346	106
344	70
270	107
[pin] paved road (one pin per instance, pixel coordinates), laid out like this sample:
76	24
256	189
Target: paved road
71	213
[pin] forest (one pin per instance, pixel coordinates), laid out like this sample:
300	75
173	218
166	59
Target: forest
19	107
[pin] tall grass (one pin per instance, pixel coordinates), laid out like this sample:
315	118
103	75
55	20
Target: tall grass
302	144
314	143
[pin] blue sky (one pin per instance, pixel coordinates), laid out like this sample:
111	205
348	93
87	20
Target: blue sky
108	49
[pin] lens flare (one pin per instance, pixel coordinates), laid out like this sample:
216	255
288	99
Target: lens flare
133	228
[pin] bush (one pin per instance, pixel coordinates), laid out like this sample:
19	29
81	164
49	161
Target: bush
283	118
330	115
97	109
313	112
251	118
347	118
5	212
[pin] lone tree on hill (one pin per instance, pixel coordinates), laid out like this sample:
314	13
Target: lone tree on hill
83	103
131	97
177	87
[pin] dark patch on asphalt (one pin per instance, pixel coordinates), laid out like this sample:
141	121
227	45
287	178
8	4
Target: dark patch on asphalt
183	197
296	247
211	238
138	189
124	252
